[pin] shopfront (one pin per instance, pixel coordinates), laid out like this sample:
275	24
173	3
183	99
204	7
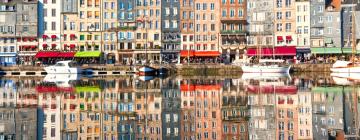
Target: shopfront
199	56
88	57
7	59
51	57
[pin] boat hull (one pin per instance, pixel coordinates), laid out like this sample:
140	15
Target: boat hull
146	71
355	69
59	70
265	69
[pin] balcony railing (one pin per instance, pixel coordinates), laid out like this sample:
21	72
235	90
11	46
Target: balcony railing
233	32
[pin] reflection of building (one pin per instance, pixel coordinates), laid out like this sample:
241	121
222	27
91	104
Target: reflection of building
305	115
327	106
16	122
170	113
234	111
148	110
200	109
262	113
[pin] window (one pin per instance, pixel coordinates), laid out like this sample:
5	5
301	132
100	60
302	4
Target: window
223	1
45	26
288	15
240	12
278	3
278	27
212	6
232	13
306	29
53	26
53	1
288	3
232	1
223	13
288	27
53	12
198	6
167	24
204	6
45	12
278	15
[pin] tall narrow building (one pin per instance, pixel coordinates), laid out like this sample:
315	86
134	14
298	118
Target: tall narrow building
303	28
90	25
109	25
261	25
69	25
126	33
8	48
170	19
26	30
49	24
317	10
148	32
233	28
285	30
187	9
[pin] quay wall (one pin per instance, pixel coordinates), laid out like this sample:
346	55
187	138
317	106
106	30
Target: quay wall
185	70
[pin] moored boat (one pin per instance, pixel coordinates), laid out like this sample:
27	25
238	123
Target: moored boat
255	68
345	67
64	67
146	71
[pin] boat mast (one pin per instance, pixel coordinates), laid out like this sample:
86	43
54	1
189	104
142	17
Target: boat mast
353	30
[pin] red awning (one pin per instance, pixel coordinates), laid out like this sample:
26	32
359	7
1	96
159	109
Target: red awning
53	45
264	52
271	89
44	36
207	53
33	47
280	38
44	45
53	36
288	38
66	54
46	54
72	45
25	39
72	36
186	53
277	51
285	50
187	87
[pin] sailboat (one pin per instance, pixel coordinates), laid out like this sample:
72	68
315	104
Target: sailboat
146	70
266	65
341	66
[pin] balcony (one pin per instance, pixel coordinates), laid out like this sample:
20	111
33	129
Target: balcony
233	32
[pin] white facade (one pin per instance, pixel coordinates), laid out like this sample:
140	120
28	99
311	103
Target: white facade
303	23
49	25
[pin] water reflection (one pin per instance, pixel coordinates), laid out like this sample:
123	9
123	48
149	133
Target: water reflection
260	107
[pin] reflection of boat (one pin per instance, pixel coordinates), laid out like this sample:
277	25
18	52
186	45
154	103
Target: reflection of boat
63	67
256	68
248	76
146	78
61	79
146	71
345	78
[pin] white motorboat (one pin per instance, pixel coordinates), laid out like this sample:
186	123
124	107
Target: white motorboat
62	80
146	71
63	67
345	67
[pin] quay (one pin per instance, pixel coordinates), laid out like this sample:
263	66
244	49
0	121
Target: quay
184	69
